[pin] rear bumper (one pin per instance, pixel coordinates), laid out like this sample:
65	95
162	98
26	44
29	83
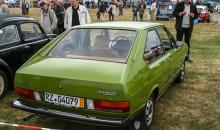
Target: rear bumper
66	115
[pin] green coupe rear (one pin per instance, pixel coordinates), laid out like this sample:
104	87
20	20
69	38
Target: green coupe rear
103	73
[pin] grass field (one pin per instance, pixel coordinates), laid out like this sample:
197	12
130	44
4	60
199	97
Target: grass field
192	105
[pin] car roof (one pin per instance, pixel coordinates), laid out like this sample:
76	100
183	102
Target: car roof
121	24
4	18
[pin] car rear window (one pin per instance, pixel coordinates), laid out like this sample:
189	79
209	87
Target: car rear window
95	44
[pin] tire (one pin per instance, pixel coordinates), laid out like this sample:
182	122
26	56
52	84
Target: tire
3	84
181	75
145	118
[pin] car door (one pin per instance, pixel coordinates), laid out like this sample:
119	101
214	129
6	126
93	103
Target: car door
33	37
11	49
173	52
158	62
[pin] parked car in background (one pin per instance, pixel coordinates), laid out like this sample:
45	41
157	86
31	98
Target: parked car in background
20	37
210	6
204	14
107	73
164	10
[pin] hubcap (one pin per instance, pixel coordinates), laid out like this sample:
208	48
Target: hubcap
1	85
149	111
182	71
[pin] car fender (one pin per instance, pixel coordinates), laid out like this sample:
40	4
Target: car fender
6	69
154	89
146	93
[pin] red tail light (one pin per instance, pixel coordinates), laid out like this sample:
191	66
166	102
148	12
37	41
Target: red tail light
25	93
111	106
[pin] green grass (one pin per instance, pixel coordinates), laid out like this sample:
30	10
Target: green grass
192	105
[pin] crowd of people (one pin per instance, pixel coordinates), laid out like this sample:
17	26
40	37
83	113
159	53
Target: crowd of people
58	17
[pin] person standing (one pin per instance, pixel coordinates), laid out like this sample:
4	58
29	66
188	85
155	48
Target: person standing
76	15
52	3
102	11
141	12
112	7
67	5
121	8
135	10
185	13
48	18
218	7
153	9
198	2
148	10
23	9
27	6
60	13
4	7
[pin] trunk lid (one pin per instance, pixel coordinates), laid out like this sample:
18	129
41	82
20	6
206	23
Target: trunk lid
74	77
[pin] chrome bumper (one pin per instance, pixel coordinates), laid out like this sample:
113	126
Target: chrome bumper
83	118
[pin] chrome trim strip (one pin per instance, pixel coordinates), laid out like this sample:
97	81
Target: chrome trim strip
84	118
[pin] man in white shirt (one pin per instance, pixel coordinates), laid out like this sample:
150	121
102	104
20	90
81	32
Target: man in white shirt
152	10
185	13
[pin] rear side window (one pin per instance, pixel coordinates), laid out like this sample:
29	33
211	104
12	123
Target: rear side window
9	34
30	30
153	48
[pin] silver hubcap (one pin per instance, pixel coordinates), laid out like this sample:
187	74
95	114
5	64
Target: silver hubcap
149	111
1	85
182	72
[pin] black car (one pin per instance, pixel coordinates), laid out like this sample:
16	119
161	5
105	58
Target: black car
210	6
20	37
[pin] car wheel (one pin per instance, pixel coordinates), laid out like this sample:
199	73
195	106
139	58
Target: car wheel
145	118
3	84
181	75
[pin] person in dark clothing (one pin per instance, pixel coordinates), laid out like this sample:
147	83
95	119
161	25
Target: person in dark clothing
198	2
135	10
60	13
67	5
27	6
23	8
102	10
185	13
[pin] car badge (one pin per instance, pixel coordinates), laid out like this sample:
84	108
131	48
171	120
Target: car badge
107	93
22	82
60	87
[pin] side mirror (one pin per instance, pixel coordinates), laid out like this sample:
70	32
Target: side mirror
179	44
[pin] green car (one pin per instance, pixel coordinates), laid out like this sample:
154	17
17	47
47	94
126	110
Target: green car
108	73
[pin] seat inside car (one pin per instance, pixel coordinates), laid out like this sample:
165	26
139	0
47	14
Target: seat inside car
101	48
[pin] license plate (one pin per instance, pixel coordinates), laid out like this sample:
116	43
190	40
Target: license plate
64	100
